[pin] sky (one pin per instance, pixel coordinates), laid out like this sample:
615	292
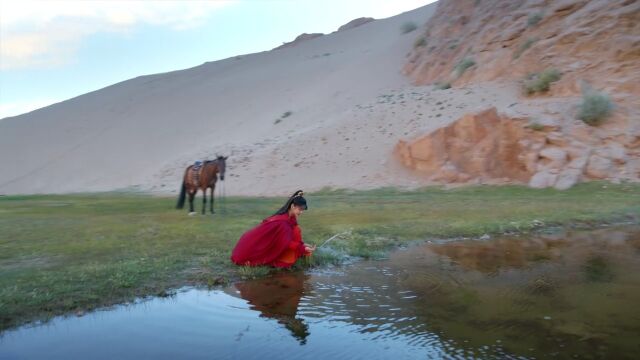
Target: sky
54	50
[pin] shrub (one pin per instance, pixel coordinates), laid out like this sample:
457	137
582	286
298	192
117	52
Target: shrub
594	108
534	19
523	47
536	126
540	82
442	85
408	27
421	41
463	65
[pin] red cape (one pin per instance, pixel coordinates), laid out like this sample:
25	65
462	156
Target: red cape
263	244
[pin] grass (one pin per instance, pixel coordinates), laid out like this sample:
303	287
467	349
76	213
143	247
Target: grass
463	65
534	19
420	42
67	253
523	47
540	82
536	126
594	108
408	27
253	272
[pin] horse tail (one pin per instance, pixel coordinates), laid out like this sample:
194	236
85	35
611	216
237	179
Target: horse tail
182	196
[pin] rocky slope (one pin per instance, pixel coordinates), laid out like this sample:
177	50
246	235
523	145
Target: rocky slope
594	45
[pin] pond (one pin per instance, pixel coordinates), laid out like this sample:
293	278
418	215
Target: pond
567	295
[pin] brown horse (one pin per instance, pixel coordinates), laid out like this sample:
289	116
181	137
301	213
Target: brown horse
202	178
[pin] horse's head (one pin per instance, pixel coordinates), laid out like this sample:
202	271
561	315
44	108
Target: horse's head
222	165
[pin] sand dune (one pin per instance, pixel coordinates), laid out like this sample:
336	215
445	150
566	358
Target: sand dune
347	98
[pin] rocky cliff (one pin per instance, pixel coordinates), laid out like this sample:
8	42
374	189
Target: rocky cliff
590	45
589	41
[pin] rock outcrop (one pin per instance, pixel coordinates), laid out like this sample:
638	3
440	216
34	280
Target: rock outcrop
483	145
488	146
355	23
591	43
300	38
594	42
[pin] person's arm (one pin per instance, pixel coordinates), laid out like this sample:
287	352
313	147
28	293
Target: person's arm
309	249
298	245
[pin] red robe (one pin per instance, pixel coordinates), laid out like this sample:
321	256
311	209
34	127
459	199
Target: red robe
277	241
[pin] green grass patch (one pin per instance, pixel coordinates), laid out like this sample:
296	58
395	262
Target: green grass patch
540	82
594	108
408	27
536	126
463	65
67	253
420	42
523	47
534	18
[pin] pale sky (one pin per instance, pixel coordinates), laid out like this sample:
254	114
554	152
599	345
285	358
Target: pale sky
54	50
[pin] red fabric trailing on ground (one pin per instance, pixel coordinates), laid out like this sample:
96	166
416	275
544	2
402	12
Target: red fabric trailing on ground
266	243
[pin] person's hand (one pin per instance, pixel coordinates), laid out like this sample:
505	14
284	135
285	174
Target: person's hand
310	249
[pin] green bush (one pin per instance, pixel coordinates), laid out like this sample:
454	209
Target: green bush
536	126
523	47
463	65
534	19
408	27
442	85
540	82
421	41
594	108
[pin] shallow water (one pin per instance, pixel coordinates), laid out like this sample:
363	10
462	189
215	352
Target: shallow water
568	295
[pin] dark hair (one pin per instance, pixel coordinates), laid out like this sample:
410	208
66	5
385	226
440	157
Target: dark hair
295	199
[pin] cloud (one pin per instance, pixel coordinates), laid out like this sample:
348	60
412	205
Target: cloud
48	33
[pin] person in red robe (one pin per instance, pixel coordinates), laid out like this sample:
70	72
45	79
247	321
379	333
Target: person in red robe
277	241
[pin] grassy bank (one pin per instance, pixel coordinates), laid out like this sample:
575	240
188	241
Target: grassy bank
71	253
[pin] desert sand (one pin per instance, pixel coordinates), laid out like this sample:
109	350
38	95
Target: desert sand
143	132
323	111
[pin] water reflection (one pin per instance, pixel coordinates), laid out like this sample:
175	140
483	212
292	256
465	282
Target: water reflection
278	298
570	295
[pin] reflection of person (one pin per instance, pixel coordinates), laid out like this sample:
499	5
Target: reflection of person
277	297
277	241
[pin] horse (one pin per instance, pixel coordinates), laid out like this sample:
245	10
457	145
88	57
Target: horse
201	178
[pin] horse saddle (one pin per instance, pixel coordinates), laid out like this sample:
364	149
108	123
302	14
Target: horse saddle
197	165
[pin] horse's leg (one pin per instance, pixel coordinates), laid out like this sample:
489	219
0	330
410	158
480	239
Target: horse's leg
213	190
192	194
204	200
